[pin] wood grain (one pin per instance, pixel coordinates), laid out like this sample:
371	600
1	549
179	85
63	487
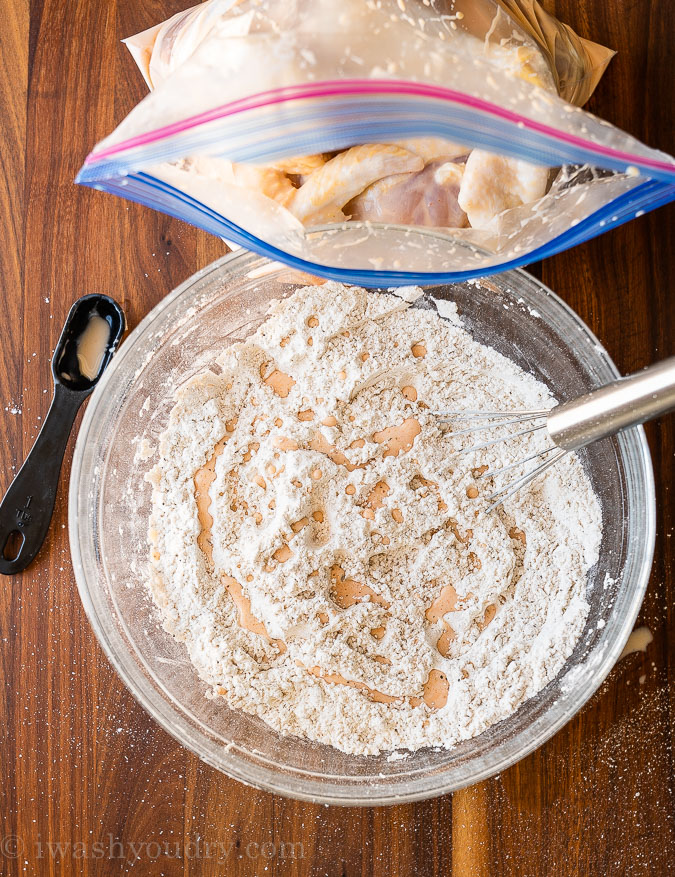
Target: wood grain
80	761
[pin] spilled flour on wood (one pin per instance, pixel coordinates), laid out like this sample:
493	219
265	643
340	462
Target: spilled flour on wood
322	549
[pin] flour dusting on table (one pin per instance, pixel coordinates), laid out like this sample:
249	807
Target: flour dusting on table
322	549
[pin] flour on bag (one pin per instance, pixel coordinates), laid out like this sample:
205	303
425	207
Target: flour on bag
322	549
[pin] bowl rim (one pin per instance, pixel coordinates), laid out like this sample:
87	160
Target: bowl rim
296	785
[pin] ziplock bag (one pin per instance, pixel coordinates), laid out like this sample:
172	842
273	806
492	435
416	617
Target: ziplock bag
380	142
575	64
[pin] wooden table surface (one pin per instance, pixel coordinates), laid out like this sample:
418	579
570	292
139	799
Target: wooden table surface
82	767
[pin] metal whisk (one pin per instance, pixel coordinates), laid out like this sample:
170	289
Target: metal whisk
572	425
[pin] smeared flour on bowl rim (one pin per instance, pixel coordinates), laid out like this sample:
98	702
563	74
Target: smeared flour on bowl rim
322	549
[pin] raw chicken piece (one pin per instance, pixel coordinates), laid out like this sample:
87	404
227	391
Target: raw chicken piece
493	183
427	198
299	164
272	183
431	148
330	187
159	50
525	62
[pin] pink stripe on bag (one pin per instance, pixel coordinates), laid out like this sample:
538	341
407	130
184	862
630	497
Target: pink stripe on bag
335	88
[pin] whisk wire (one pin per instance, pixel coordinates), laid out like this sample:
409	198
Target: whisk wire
516	485
479	415
575	423
495	473
536	419
484	426
503	438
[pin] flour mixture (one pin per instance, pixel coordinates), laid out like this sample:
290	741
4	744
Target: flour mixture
322	549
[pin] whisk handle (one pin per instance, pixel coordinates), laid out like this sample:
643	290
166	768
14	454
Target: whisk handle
625	402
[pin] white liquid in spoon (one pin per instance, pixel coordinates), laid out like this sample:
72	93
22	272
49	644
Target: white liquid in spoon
92	345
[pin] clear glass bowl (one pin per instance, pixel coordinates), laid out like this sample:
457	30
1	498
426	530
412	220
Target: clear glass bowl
109	505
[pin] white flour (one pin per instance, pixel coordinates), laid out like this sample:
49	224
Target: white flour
341	538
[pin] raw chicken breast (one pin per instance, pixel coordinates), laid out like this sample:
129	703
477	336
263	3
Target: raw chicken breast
494	183
431	148
328	189
273	183
299	164
268	181
427	198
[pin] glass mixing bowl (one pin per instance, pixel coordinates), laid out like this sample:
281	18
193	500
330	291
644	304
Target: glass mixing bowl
109	506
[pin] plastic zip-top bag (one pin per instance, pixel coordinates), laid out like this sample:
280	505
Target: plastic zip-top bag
380	142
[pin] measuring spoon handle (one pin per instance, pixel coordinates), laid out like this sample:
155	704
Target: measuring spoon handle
26	510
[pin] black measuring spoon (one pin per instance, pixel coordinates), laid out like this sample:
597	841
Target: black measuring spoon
90	336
